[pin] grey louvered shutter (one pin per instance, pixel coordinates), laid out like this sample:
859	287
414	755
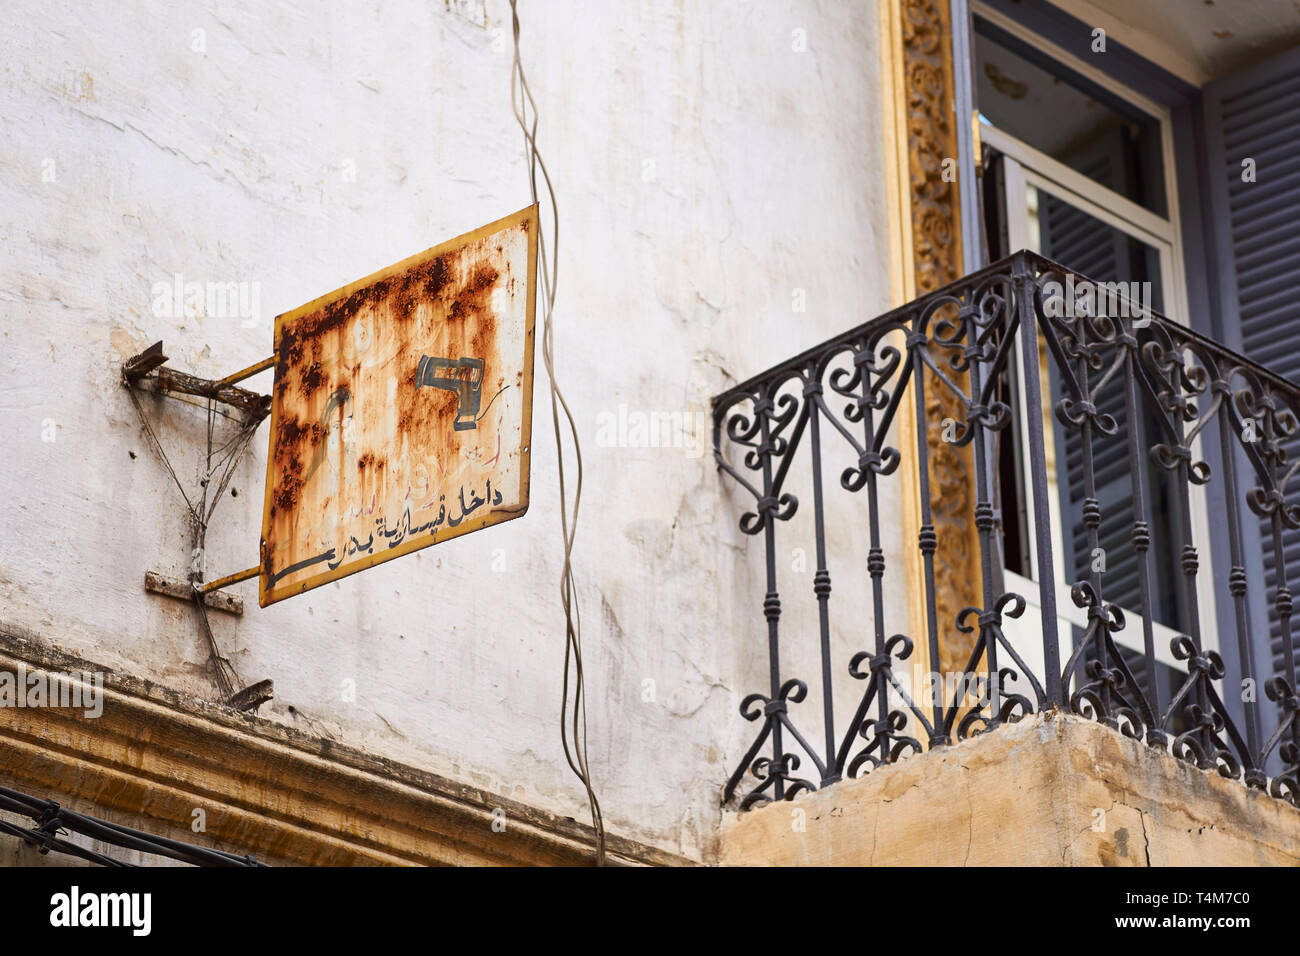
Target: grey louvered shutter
1255	115
1080	242
1098	251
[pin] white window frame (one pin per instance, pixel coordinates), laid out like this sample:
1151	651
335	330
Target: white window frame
1024	167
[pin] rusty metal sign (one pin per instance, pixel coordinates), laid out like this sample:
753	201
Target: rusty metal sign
401	414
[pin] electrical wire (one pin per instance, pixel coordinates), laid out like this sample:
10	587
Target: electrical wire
230	454
521	100
226	675
157	446
53	819
47	843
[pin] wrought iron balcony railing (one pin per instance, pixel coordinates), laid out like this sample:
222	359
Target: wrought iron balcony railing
1134	395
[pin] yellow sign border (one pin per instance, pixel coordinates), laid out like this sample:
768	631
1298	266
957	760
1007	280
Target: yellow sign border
267	594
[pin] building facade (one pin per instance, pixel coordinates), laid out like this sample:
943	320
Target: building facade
909	213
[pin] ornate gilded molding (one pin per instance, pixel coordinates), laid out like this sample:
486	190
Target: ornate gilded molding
937	260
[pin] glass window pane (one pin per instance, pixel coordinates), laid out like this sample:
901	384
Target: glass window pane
1074	121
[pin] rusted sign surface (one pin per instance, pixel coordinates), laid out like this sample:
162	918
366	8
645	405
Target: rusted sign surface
401	414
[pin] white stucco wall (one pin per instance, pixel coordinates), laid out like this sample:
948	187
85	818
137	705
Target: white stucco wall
705	168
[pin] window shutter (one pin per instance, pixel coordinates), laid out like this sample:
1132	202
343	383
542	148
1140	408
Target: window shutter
1255	116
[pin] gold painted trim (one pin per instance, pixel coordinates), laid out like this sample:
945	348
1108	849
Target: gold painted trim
902	290
918	59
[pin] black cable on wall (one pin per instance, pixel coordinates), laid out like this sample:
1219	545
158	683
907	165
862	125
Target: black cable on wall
573	721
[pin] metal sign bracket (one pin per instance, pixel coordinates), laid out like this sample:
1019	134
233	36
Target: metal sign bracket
148	372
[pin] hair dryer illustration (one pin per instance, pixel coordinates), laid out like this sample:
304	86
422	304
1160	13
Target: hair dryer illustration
463	376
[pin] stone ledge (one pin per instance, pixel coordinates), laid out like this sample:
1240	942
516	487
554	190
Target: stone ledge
1051	790
268	790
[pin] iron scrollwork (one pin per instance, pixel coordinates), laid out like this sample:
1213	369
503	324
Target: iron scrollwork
1110	369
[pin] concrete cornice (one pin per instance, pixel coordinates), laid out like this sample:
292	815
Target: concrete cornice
156	755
